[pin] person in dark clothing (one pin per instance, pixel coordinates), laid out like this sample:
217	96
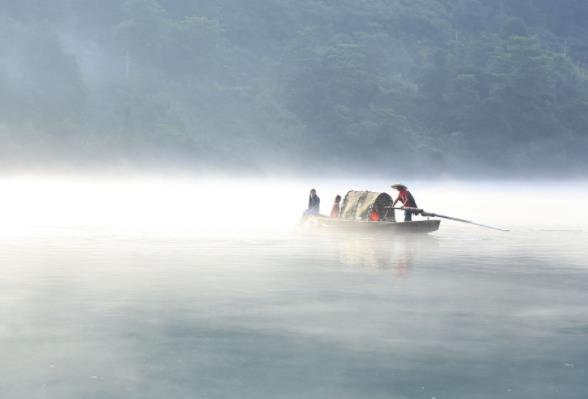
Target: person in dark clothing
314	204
336	210
407	200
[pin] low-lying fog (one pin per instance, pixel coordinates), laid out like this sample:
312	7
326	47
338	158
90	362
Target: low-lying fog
208	288
257	205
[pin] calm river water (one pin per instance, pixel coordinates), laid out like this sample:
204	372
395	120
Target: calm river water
462	313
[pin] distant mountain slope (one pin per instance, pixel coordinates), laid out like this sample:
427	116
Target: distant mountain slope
422	87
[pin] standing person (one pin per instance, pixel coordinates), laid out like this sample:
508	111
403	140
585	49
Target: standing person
336	209
407	200
314	204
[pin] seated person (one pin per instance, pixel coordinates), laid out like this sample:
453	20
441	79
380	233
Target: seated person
374	215
336	210
314	204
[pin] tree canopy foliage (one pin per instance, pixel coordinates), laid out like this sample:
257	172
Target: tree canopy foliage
424	87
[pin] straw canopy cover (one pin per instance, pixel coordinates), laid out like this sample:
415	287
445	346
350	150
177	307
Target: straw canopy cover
359	204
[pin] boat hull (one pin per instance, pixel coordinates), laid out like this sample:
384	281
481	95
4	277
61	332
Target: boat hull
417	226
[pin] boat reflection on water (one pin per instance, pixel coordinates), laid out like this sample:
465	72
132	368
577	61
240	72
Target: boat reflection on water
385	252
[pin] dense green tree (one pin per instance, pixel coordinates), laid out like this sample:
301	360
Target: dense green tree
450	86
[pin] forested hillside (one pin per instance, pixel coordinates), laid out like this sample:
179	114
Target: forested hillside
424	87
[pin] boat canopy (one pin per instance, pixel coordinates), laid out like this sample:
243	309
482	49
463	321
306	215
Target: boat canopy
358	204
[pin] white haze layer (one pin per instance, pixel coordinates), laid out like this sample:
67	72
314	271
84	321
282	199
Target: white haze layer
225	205
150	288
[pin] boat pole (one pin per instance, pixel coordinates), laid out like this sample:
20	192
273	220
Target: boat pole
436	215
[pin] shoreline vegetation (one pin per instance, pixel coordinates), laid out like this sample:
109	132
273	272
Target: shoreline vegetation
424	88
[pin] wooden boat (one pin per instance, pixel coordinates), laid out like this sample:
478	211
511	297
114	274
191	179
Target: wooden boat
417	226
357	211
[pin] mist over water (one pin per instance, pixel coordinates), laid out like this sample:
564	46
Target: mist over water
241	204
156	157
151	287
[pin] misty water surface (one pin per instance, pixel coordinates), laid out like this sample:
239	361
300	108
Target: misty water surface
142	310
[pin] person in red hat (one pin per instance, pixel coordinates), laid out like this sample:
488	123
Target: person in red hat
407	200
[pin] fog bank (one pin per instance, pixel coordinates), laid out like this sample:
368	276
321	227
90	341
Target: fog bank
228	205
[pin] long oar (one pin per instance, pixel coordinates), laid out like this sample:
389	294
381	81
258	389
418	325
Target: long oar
436	215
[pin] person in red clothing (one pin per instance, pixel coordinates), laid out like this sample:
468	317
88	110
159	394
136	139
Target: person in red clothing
374	216
407	200
336	210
